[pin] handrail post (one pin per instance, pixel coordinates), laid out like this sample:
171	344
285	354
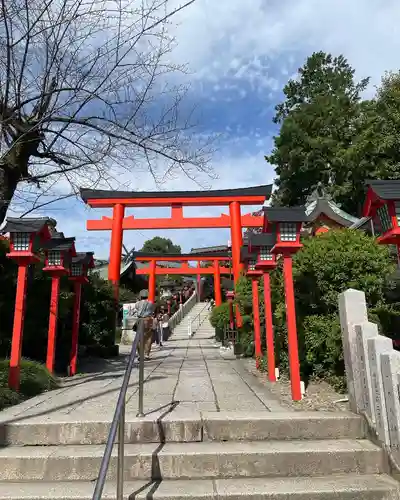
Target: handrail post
121	446
141	370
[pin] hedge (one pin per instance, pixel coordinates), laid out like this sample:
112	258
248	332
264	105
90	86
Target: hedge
35	379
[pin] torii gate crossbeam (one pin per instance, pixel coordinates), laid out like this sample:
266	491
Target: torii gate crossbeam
119	200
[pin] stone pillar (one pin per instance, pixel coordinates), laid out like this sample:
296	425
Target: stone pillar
390	367
376	347
364	332
352	311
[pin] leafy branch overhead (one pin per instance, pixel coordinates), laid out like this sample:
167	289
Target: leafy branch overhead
84	97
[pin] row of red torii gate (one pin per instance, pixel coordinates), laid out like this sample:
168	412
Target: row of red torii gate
278	237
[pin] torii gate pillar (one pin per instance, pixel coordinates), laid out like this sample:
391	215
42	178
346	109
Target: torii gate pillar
217	284
114	268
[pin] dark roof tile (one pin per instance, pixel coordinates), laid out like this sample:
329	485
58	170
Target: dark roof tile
262	240
387	190
25	225
264	190
286	214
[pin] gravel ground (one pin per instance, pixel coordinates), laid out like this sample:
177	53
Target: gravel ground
320	396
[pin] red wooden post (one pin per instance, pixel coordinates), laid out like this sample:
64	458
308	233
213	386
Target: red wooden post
294	364
237	242
18	328
269	328
75	328
152	281
236	237
53	319
256	320
198	281
217	284
114	268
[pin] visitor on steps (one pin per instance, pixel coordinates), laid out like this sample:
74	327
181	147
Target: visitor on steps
158	333
165	326
144	309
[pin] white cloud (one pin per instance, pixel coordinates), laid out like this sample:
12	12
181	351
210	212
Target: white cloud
246	47
232	38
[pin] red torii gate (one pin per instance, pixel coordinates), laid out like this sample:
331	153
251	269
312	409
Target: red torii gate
119	200
215	269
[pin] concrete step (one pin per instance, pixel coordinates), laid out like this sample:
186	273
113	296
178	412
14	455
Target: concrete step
195	460
350	487
189	427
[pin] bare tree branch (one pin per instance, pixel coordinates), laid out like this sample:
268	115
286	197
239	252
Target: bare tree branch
85	94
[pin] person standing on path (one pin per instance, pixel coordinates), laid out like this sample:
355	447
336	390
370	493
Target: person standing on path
144	310
165	326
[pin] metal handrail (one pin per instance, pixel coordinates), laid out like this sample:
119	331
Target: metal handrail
198	319
118	422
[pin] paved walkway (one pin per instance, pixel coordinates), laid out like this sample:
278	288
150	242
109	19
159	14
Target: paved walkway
187	372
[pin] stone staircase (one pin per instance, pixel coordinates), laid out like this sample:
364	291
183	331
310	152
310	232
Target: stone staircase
201	310
272	456
178	454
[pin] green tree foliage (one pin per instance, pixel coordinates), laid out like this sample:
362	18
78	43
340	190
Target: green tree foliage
376	149
160	245
320	118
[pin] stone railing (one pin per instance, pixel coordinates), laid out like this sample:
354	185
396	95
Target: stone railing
372	371
177	317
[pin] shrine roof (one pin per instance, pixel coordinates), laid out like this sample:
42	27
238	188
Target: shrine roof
385	189
213	250
177	256
59	242
262	239
84	258
323	206
246	195
245	254
286	214
26	225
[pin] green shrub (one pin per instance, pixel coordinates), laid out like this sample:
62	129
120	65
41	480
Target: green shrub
34	379
8	398
219	319
219	316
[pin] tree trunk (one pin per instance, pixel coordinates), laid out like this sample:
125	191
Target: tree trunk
8	185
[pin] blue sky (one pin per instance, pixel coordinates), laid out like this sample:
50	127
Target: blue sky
240	55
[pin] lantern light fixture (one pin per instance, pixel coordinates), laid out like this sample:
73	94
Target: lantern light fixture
27	237
286	223
262	244
59	253
80	266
